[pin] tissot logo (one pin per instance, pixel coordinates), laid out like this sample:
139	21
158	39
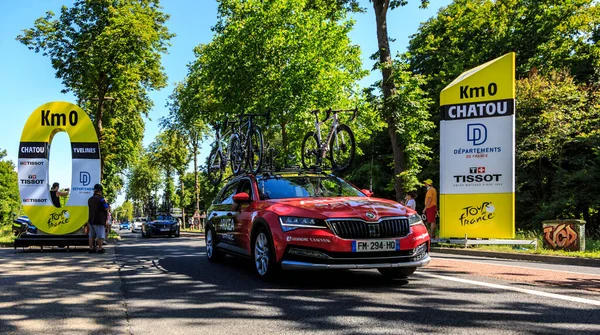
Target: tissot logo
29	200
32	180
35	163
477	175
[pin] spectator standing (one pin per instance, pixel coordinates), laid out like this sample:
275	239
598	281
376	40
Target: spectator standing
410	200
430	210
97	219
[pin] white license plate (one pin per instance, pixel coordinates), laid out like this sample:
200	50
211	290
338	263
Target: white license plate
375	245
165	229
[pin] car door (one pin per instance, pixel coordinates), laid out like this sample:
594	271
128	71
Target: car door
222	215
243	216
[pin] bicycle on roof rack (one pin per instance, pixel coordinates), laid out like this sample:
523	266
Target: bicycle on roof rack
218	158
246	145
339	142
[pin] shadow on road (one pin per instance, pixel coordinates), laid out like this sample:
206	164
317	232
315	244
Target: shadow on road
225	294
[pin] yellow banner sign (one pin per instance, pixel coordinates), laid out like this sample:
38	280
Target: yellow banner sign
42	125
477	141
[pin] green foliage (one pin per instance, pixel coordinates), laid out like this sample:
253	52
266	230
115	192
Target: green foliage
545	34
409	107
105	49
558	132
143	183
9	191
124	212
170	153
287	57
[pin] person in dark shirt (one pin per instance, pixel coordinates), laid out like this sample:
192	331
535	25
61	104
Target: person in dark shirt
55	194
97	219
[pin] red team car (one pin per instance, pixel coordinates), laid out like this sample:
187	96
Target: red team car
313	221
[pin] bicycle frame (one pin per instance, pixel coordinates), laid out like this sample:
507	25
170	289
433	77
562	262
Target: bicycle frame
325	144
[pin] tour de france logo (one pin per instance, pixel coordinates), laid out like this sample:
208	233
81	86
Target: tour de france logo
33	167
472	215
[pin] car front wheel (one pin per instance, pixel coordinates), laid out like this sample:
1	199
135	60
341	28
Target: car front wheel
397	273
264	255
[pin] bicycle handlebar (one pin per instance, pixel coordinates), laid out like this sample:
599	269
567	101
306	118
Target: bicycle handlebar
335	111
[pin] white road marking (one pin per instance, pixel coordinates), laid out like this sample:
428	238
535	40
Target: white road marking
515	289
514	266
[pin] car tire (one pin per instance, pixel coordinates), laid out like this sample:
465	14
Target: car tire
263	254
397	273
212	253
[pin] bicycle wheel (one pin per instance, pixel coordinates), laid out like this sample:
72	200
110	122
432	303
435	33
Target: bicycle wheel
342	148
215	166
310	151
236	154
255	150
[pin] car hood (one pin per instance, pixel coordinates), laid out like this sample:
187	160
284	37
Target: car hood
369	209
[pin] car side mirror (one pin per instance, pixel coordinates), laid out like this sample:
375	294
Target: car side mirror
367	192
241	198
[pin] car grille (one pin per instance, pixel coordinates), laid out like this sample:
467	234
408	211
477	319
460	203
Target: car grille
353	229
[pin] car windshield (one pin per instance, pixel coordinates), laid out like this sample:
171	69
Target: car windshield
305	186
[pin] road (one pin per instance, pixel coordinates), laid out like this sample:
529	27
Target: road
166	286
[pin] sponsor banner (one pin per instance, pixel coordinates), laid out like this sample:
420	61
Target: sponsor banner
477	152
477	156
477	215
86	173
34	186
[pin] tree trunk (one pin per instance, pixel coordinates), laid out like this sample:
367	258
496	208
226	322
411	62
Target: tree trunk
284	143
181	203
196	186
99	115
389	89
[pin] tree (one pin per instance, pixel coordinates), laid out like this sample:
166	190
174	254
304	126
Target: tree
558	127
389	104
143	183
9	190
286	57
169	152
103	49
124	212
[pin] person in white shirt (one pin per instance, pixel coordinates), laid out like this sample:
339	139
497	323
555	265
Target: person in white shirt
410	200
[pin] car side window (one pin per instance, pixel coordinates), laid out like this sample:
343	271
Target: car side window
227	196
245	186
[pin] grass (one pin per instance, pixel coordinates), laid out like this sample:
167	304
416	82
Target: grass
190	230
6	234
113	235
592	247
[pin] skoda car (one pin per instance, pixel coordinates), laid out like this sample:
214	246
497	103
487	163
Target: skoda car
160	227
299	221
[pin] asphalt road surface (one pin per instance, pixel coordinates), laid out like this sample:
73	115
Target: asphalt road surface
167	286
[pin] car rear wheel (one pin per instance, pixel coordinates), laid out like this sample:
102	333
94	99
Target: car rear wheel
212	253
263	255
397	273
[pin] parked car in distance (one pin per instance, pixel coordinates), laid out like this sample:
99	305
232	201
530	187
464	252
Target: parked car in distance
301	221
125	225
160	227
137	223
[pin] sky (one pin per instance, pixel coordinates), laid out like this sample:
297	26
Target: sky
27	79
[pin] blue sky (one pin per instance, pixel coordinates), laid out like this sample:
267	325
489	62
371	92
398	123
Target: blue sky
27	79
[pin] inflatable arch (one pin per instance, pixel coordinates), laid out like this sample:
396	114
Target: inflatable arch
42	125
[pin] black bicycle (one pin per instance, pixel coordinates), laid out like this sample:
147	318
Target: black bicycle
339	142
246	145
218	158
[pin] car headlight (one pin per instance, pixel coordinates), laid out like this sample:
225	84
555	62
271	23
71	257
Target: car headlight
415	220
291	222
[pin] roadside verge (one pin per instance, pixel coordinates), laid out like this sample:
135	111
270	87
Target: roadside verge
521	256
